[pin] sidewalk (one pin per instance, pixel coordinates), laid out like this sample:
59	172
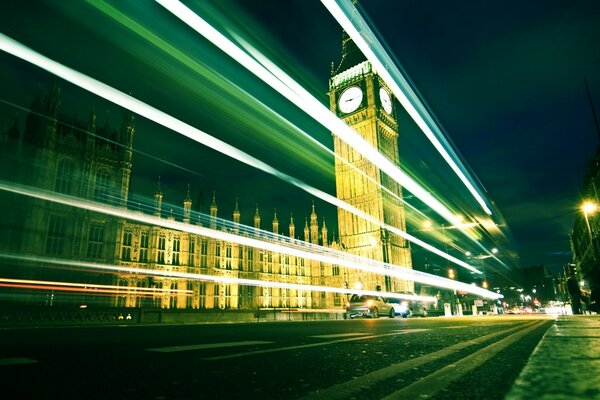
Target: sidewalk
566	363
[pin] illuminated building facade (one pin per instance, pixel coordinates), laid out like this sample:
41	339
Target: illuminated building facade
361	98
63	155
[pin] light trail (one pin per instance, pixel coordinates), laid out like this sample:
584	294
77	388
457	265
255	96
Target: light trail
217	279
328	256
211	75
359	31
296	94
85	287
126	101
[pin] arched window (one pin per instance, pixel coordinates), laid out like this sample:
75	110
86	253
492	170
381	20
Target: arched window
101	186
64	177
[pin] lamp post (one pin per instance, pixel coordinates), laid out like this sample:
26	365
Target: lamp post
588	209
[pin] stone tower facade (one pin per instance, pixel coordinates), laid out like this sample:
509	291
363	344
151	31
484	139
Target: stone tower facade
360	97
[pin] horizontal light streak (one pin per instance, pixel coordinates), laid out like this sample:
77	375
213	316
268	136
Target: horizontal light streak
189	62
89	286
19	50
295	93
216	279
321	254
385	67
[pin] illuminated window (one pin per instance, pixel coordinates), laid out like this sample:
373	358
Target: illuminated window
126	247
144	247
95	245
203	253
202	295
176	250
161	250
56	236
192	251
173	295
337	300
335	270
64	177
250	259
228	256
189	300
218	255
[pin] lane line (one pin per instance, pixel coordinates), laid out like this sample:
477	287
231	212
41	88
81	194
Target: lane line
353	387
433	383
339	335
17	361
305	346
173	349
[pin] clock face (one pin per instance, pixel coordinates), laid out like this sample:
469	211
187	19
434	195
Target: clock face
386	101
350	99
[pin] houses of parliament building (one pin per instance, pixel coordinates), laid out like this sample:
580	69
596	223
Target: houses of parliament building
66	155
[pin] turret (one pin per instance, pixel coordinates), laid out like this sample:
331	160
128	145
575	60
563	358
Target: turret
275	223
324	234
257	218
158	198
213	211
306	231
187	207
292	227
236	212
314	226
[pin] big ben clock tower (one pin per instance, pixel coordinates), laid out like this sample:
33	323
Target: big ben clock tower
360	97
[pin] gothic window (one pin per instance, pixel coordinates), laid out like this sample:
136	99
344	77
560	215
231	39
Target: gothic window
216	295
95	244
173	295
203	253
144	247
192	251
227	300
250	259
161	250
64	177
335	270
101	186
218	255
202	295
190	296
176	250
337	300
228	256
56	236
126	247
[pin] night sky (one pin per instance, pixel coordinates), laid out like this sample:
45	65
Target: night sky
504	78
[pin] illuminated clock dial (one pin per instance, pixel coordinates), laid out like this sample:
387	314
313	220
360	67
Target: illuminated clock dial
386	101
350	99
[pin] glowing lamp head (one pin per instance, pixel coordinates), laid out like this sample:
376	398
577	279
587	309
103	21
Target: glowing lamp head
451	273
589	208
427	224
495	250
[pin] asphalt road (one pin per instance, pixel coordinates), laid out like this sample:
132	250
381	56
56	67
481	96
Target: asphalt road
439	358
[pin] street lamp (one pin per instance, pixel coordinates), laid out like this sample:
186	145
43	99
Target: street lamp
588	209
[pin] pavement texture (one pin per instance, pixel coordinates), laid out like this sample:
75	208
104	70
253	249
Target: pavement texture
565	364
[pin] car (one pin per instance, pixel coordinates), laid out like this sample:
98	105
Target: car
369	306
408	308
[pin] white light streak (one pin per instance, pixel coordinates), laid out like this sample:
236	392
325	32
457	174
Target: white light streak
19	50
295	93
385	67
313	252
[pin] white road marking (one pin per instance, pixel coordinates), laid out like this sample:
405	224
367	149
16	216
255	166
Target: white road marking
340	335
16	361
305	346
205	346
